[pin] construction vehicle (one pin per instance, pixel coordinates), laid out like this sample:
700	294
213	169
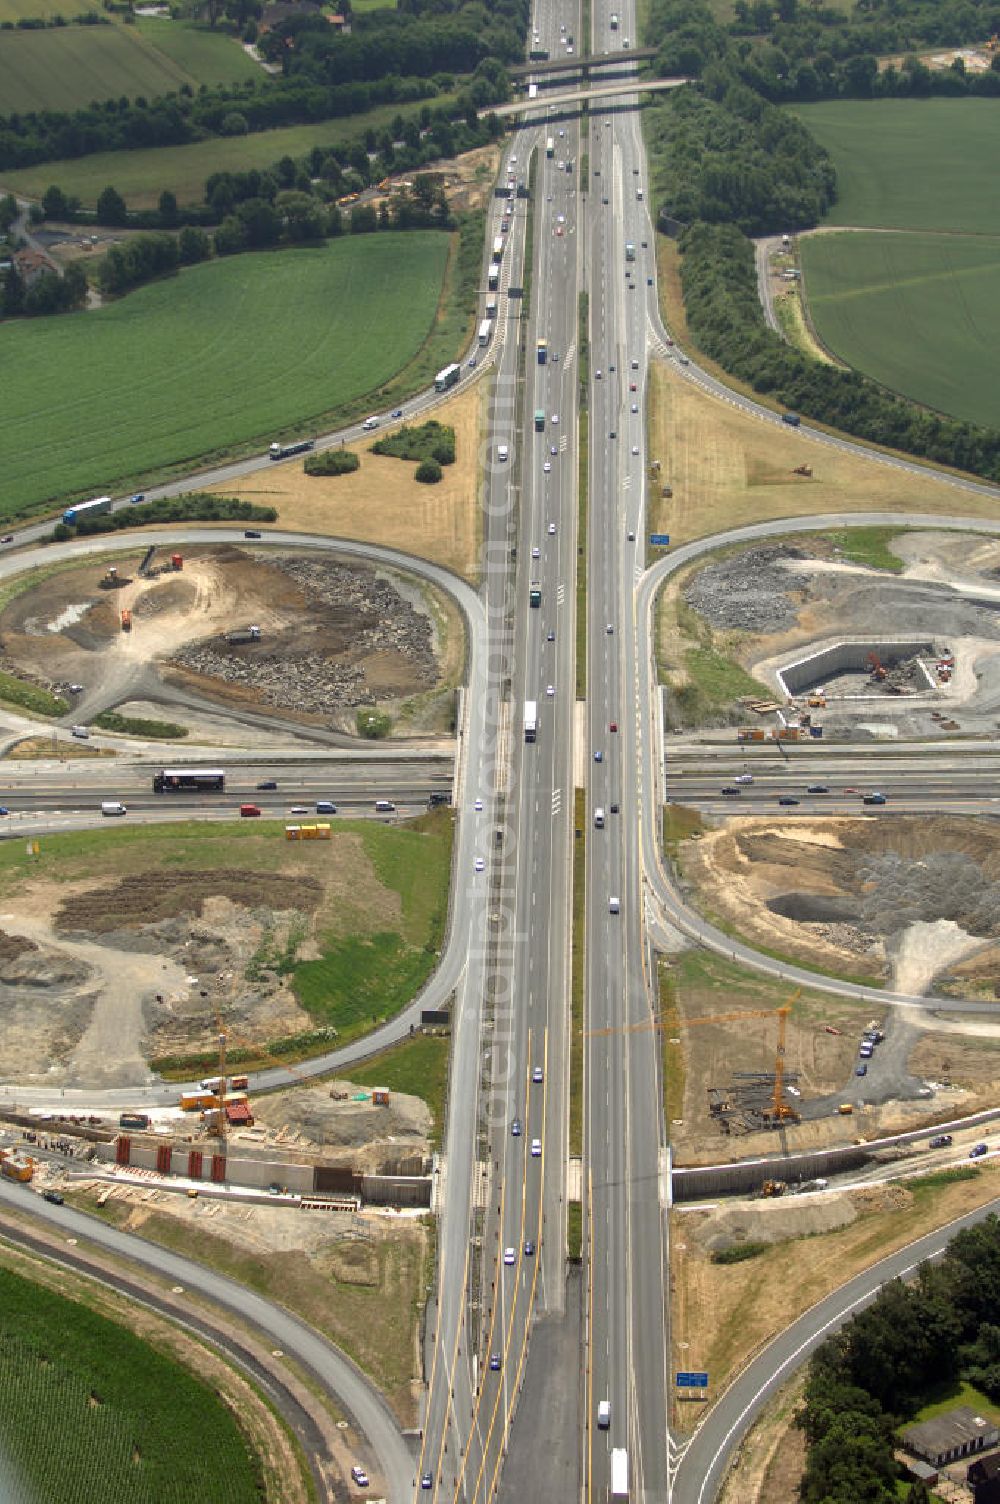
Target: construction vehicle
773	1188
803	470
126	620
112	579
817	702
176	561
14	1166
878	669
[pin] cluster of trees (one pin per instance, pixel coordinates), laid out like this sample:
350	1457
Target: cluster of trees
787	50
290	218
719	280
429	441
876	1372
738	159
48	293
332	462
196	506
39	23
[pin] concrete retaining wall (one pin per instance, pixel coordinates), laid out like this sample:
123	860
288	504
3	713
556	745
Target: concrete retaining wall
848	654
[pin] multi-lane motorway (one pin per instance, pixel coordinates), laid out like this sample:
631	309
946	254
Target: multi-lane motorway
506	967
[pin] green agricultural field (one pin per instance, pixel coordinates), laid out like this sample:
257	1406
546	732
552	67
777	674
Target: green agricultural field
919	313
223	354
141	176
66	69
205	56
912	164
88	1411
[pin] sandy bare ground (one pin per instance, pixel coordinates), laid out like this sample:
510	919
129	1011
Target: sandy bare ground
381	502
925	950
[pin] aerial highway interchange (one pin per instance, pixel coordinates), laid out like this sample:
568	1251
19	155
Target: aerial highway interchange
507	1161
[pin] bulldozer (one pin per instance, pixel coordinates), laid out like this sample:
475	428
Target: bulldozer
803	470
773	1188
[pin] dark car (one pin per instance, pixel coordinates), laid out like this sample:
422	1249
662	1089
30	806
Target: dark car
873	799
267	783
792	419
494	1362
941	1141
615	808
978	1150
397	412
817	788
515	1128
52	1196
137	498
7	538
529	1248
426	1480
4	810
861	1070
731	791
787	799
251	532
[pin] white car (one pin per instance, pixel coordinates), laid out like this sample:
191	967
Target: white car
479	804
480	864
555	417
536	1148
743	778
552	529
359	1476
635	449
547	467
597	375
509	1257
550	690
635	407
536	552
538	1075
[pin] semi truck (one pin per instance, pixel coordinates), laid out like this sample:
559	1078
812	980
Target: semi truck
447	378
485	330
539	420
94	508
491	308
619	1473
550	147
530	720
493	278
285	451
542	350
535	594
629	251
498	248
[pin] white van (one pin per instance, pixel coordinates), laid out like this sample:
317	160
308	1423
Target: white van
604	1415
598	818
614	905
81	733
384	807
503	453
112	807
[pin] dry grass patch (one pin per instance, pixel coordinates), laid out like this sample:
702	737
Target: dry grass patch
34	748
728	469
723	1313
381	502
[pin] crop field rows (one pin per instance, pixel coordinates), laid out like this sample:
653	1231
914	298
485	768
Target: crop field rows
225	353
68	67
919	313
918	308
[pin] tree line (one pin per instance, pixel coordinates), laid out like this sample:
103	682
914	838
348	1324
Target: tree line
719	280
393	59
873	1375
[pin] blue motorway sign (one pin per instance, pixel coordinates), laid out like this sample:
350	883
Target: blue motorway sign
691	1380
659	540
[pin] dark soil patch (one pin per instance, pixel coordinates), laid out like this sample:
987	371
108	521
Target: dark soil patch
152	896
12	946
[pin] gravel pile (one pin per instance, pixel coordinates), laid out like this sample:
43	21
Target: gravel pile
750	591
897	891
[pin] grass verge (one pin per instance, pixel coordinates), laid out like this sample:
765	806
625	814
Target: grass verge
859	978
583	495
868	545
680	823
418	1067
129	725
739	1253
29	697
578	967
574	1231
673	1054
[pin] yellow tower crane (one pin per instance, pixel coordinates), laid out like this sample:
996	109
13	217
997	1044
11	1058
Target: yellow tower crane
780	1109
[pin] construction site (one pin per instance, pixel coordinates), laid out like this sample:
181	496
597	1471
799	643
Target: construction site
220	637
923	660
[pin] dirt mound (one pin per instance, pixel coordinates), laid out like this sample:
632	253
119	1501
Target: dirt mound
13	946
147	897
339	1118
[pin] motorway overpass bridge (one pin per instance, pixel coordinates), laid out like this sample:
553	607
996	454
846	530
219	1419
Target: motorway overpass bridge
568	97
581	64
